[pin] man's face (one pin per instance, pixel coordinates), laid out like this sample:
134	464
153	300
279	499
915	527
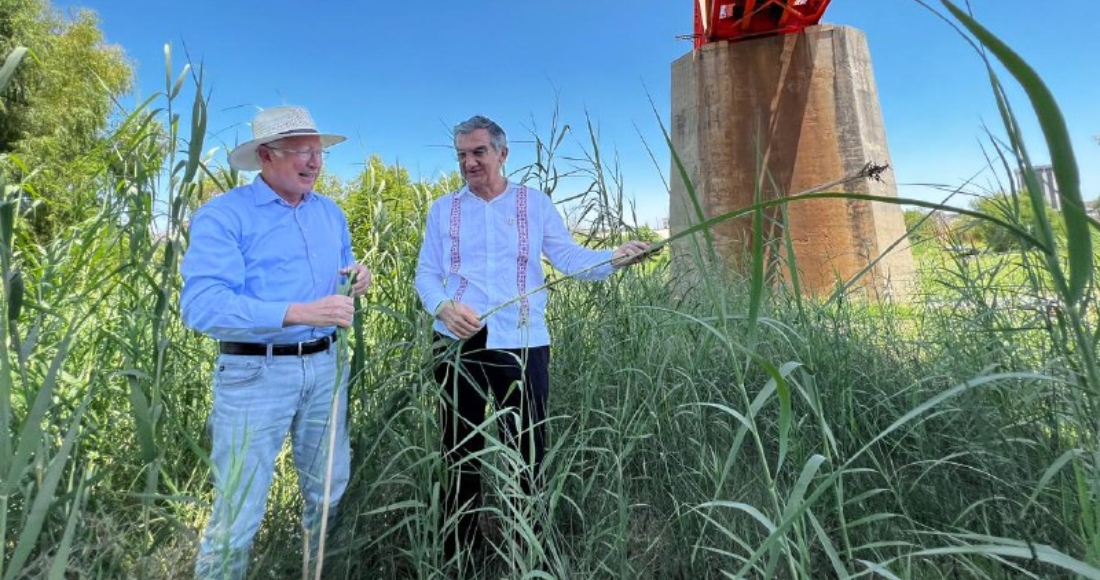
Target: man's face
478	161
291	165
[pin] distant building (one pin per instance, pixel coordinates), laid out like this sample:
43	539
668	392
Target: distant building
662	230
1047	185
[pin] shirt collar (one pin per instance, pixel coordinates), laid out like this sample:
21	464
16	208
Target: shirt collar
508	191
263	194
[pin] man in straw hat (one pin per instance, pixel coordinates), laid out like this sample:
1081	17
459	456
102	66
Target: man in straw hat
481	276
261	277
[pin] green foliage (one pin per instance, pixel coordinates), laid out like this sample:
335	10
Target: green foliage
920	225
388	193
86	357
1014	209
11	63
61	97
54	114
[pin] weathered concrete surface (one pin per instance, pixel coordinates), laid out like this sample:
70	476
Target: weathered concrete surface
775	116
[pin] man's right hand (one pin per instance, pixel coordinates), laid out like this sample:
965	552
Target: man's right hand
460	319
335	310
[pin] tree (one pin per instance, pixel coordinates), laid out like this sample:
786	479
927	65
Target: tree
1014	209
920	225
387	193
55	113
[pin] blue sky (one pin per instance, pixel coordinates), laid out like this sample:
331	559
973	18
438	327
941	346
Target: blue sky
395	76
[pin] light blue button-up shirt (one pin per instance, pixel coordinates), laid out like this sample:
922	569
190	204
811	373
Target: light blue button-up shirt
486	269
252	255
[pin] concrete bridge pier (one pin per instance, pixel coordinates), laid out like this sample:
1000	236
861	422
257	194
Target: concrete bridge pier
774	116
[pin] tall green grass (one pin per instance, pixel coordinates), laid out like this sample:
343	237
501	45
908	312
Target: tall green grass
726	429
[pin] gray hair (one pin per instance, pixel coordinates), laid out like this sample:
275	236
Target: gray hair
496	135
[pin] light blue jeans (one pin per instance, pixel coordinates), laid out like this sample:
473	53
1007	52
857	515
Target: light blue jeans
257	401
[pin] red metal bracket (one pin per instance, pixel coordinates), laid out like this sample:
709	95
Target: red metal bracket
742	19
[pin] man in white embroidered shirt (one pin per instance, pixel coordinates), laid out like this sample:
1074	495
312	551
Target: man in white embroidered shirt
481	257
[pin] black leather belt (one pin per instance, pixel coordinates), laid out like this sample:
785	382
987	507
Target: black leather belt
293	349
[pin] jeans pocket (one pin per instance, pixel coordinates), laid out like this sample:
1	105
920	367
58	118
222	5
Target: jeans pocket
233	372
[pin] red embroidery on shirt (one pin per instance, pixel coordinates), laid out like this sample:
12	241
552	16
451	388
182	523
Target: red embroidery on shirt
524	250
521	258
456	259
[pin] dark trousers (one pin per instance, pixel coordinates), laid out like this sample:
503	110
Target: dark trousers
518	381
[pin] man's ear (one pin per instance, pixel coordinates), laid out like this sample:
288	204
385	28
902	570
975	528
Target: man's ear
504	155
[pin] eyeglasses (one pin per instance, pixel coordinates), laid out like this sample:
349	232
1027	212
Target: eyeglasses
305	155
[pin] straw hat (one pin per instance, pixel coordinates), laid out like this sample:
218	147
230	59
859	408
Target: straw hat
271	125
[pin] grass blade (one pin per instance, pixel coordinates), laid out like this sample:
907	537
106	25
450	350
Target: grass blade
10	64
40	507
1063	160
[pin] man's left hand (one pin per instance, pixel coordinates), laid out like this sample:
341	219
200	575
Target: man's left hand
629	254
362	278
